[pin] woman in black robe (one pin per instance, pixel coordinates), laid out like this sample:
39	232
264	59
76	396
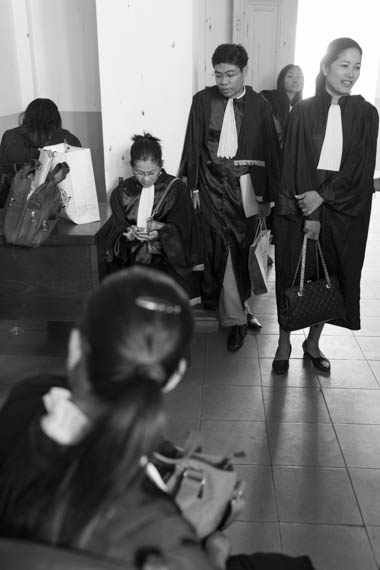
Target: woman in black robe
153	220
326	189
282	100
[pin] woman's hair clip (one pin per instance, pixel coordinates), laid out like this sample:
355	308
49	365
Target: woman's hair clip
157	304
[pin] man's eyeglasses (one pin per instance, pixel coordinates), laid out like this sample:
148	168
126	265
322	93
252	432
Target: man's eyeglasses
228	75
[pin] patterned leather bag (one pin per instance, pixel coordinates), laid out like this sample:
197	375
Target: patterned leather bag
31	214
312	302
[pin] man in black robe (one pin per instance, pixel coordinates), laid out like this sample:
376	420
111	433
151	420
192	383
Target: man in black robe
230	159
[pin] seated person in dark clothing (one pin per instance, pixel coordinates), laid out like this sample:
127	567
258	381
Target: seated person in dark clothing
153	219
73	462
41	125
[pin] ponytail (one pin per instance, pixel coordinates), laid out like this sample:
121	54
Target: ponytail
106	464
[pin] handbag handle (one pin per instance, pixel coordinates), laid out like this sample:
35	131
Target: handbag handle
302	262
261	227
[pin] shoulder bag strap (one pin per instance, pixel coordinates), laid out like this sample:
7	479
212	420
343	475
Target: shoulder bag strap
161	200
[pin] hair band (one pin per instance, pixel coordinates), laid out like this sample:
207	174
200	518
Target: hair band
155	304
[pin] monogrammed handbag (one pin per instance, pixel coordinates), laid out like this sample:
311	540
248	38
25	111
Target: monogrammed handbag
310	302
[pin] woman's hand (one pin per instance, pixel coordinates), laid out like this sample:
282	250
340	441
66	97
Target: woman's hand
309	201
312	229
144	236
218	548
130	234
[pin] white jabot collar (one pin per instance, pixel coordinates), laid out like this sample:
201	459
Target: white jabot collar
228	142
145	205
332	147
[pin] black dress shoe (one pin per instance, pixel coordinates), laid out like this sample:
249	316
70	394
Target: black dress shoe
320	362
235	339
281	366
253	323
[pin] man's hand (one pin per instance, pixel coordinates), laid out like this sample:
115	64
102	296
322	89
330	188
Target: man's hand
309	201
312	229
263	209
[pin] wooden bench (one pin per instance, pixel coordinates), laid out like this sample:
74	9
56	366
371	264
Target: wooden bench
51	282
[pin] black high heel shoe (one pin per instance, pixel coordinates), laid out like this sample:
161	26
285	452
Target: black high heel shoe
281	366
320	362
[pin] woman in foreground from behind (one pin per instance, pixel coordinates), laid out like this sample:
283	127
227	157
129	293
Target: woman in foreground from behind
73	462
326	189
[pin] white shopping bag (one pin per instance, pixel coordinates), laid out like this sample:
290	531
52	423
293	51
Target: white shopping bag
258	259
79	190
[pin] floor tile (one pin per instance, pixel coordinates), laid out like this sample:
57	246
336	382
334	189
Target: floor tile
185	400
370	326
284	404
178	428
308	444
330	547
353	406
248	537
267	345
370	347
315	495
232	403
366	483
375	367
374	535
332	330
227	371
259	496
230	437
349	374
370	308
301	374
216	348
360	444
341	347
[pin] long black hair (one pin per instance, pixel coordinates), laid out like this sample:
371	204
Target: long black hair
334	49
136	327
280	82
39	121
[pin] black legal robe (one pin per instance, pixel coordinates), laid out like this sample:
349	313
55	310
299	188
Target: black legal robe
347	194
224	224
179	238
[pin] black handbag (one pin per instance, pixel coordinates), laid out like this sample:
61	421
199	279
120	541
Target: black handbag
312	302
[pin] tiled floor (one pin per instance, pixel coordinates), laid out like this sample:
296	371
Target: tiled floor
311	442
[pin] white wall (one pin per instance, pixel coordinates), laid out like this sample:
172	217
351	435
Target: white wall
212	26
145	63
49	49
10	85
345	19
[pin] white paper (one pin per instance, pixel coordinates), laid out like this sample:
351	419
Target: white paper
248	196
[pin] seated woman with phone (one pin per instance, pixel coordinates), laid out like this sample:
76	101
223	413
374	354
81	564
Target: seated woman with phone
153	220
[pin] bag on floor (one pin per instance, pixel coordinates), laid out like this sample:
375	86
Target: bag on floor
32	214
258	259
79	186
205	487
312	302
